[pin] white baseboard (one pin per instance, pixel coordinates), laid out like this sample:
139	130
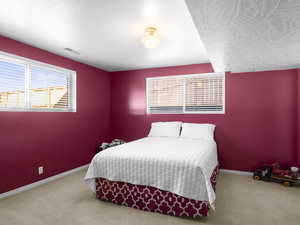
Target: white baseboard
40	182
238	172
49	179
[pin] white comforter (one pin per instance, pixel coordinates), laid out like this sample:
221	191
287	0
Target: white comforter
179	165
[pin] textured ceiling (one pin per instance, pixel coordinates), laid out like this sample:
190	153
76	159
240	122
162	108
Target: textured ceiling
107	33
249	35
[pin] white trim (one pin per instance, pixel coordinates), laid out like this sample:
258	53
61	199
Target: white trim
41	182
215	74
22	60
55	177
35	110
238	172
224	93
200	112
147	96
184	97
73	96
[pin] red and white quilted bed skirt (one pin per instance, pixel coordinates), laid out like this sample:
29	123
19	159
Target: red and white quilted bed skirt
152	199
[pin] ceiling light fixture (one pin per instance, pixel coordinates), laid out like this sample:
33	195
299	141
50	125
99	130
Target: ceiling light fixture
150	40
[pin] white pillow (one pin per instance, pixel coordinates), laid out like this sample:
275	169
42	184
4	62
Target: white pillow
165	129
198	131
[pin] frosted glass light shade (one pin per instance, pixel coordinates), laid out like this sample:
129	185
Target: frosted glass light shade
150	40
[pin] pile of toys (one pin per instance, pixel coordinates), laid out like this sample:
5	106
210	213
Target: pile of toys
106	145
274	173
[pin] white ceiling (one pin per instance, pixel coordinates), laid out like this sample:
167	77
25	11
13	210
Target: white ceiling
239	35
107	33
249	35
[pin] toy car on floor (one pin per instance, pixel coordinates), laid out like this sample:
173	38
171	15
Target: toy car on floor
275	174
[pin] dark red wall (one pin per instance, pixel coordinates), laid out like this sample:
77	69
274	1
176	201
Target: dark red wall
259	124
59	141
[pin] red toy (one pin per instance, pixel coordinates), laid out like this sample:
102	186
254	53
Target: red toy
277	171
274	173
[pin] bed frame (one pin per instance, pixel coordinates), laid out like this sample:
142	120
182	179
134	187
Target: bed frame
151	199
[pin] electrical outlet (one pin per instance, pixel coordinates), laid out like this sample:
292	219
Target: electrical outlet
41	170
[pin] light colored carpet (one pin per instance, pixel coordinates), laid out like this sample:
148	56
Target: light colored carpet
67	201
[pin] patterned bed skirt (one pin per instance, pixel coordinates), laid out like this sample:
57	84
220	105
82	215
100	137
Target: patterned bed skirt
152	199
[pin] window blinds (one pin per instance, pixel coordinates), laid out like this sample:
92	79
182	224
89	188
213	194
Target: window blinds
204	94
12	85
30	86
201	93
49	89
166	95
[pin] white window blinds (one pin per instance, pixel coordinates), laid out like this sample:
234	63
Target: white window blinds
12	85
166	95
27	85
49	89
200	93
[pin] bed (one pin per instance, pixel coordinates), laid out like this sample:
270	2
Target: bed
169	175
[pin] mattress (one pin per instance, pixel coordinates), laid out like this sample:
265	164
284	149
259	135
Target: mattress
178	165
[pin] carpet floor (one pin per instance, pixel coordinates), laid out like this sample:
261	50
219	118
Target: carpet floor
68	201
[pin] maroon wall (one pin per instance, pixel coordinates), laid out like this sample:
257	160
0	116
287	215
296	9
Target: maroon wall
259	124
59	141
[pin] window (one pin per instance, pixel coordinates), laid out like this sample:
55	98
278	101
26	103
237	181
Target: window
28	85
196	93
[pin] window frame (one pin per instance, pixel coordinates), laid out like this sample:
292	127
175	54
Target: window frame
216	74
28	63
